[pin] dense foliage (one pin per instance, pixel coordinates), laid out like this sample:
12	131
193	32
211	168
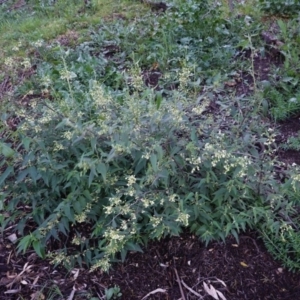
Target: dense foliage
283	91
103	162
282	7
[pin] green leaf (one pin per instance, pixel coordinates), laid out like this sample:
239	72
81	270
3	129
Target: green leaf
68	212
62	228
25	243
62	123
153	160
6	150
92	175
77	206
159	151
26	142
22	175
101	168
123	254
140	166
34	174
93	143
38	248
6	173
109	293
235	234
133	247
158	100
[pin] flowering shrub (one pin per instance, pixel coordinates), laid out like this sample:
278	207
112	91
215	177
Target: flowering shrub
106	165
104	173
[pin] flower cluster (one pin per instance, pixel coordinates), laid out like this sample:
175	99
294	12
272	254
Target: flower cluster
136	80
184	77
26	63
38	43
228	160
9	62
67	75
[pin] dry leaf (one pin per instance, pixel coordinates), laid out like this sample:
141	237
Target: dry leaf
71	296
222	282
13	238
12	291
279	270
210	291
230	83
37	296
35	280
222	297
76	273
154	292
244	264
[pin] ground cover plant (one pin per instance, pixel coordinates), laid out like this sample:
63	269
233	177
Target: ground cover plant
141	132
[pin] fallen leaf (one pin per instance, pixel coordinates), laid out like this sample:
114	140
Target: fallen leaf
244	264
210	290
76	273
230	83
154	292
222	282
35	280
222	297
12	291
13	238
279	270
37	296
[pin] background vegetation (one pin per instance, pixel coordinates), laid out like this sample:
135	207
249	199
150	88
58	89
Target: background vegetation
97	160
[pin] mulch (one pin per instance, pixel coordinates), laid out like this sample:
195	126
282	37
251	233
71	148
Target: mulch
172	268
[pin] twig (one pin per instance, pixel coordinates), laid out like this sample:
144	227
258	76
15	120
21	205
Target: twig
71	296
180	286
8	259
191	290
154	292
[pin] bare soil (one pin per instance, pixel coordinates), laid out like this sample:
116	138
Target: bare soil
172	268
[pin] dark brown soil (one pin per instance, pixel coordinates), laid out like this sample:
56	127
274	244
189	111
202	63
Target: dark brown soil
288	128
173	268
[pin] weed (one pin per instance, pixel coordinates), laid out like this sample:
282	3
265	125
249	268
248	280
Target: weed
113	293
279	7
283	92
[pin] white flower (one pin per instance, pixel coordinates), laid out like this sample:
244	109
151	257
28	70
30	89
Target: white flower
131	180
9	62
26	63
293	100
38	43
46	81
65	74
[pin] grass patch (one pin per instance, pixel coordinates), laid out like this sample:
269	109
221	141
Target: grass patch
40	20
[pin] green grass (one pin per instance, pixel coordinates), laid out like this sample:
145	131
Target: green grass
32	22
